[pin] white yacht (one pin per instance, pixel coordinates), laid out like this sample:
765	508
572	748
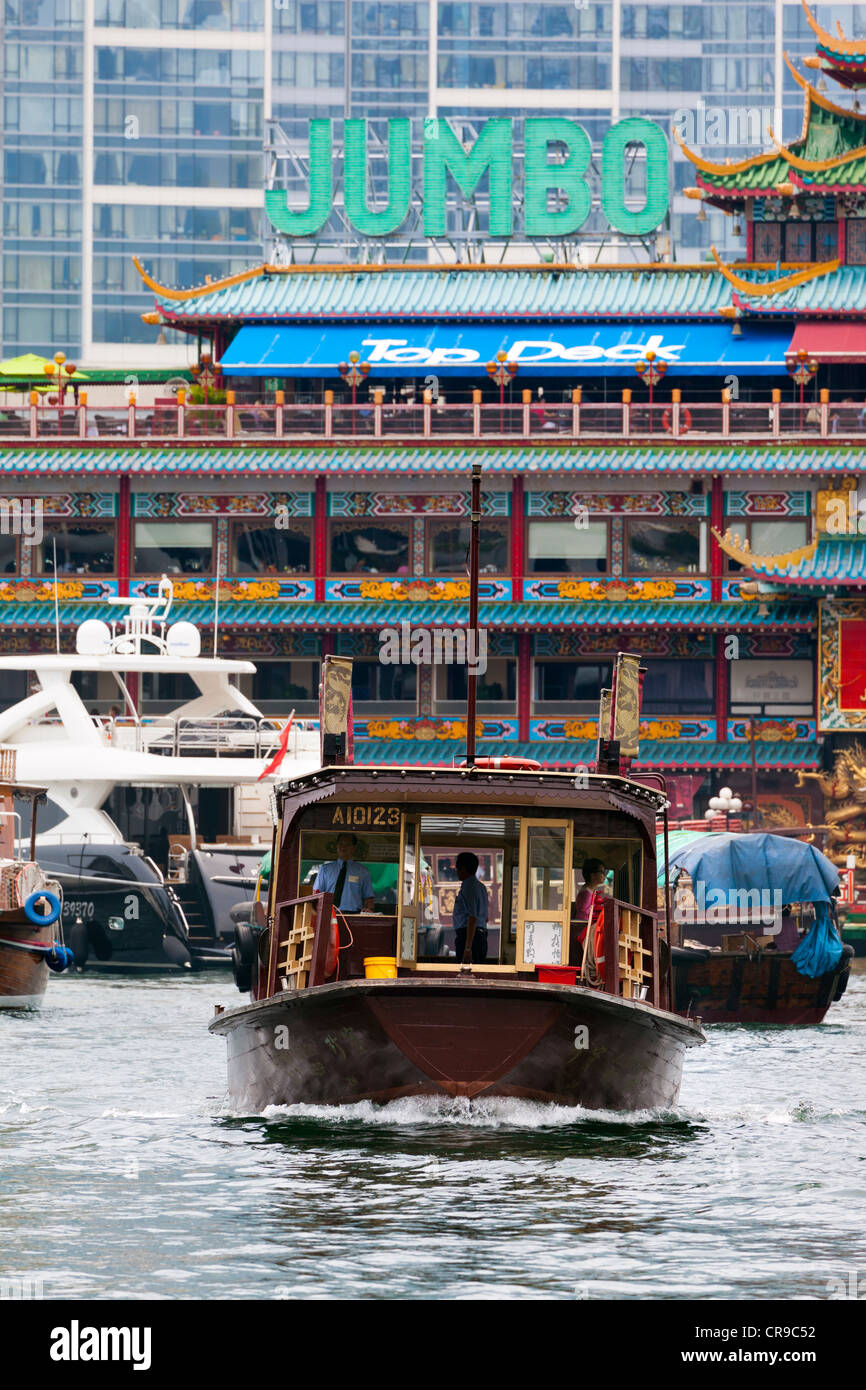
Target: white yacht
189	787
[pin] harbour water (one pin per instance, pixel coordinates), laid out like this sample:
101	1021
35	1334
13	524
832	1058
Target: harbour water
124	1174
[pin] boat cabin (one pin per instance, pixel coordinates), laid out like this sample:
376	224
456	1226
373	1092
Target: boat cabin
533	834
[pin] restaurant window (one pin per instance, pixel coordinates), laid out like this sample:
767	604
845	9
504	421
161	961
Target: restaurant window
379	547
263	548
375	684
448	547
564	686
281	686
769	538
561	547
173	547
496	690
679	687
83	547
8	554
768	241
677	546
772	686
855	241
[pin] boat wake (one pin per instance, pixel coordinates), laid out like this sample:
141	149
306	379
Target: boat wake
493	1113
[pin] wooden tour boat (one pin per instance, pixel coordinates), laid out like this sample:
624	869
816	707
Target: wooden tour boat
372	1005
30	904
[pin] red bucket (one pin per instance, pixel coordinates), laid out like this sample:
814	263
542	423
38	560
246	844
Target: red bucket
557	974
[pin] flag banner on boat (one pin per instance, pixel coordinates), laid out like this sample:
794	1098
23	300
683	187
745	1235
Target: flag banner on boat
626	710
334	707
455	349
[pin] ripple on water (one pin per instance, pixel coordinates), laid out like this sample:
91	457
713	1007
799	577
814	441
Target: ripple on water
125	1173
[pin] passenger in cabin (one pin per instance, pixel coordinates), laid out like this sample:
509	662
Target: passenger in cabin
470	912
349	881
594	877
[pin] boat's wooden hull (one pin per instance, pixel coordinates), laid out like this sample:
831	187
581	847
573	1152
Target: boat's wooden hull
23	973
382	1039
761	987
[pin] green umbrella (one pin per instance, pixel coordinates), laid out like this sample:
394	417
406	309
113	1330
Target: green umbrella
18	372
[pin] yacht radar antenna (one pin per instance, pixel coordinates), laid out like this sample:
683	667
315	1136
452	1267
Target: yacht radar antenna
144	624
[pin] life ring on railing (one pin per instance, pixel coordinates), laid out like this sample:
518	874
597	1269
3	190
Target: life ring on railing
685	419
598	938
509	764
42	919
333	947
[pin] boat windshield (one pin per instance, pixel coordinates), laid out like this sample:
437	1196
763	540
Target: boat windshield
533	880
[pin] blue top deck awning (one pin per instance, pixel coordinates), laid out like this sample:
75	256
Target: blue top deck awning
573	350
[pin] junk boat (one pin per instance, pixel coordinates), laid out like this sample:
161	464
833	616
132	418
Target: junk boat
754	938
30	904
361	1005
212	760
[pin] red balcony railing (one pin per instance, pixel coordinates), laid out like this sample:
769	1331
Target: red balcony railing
700	421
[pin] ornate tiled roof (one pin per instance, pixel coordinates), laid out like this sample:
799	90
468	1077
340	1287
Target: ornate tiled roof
683	456
837	560
373	293
537	616
653	754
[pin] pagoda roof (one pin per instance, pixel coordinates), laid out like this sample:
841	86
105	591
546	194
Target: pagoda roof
538	294
842	58
569	753
345	458
837	560
540	616
829	154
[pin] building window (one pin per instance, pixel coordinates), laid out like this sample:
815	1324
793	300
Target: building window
768	241
855	241
772	686
564	686
679	687
496	691
375	684
376	548
448	547
561	547
8	553
666	547
281	686
768	538
83	547
262	548
173	547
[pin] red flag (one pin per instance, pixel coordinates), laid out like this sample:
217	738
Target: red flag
281	749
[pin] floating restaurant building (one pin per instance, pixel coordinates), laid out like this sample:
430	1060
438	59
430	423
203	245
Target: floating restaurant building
668	453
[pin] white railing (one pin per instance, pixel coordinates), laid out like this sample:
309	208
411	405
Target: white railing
575	419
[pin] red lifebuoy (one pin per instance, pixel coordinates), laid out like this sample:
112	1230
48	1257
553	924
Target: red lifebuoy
598	935
685	419
509	764
333	947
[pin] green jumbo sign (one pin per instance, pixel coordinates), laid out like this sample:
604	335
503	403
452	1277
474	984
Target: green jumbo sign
492	153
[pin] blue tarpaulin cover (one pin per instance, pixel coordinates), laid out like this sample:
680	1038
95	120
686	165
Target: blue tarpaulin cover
821	949
799	873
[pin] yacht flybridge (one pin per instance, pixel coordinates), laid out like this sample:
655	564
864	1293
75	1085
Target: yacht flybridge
190	785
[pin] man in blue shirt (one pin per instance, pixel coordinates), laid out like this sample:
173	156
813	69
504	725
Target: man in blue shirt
470	912
348	881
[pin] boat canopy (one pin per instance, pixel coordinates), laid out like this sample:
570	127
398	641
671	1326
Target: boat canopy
798	872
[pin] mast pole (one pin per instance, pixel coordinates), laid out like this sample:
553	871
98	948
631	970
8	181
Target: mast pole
472	671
